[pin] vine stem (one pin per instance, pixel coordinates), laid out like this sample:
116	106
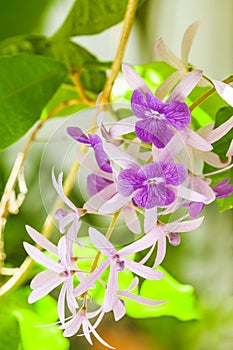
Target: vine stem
127	26
209	93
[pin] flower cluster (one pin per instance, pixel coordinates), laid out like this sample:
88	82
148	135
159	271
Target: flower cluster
155	172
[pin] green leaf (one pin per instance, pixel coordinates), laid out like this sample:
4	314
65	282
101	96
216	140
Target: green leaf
28	317
74	56
180	298
89	17
27	82
9	330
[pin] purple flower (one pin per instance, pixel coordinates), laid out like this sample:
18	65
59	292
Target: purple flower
222	189
95	142
158	118
151	183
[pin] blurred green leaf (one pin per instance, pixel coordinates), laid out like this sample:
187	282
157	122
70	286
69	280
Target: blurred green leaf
17	16
180	298
27	82
89	17
27	318
74	56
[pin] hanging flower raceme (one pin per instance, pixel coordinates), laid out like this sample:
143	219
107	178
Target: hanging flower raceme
148	176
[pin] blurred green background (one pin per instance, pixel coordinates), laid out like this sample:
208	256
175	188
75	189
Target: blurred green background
204	258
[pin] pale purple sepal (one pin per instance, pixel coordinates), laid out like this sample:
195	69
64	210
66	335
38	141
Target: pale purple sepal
42	259
95	202
134	80
96	183
41	240
223	189
174	238
132	220
124	126
187	84
225	91
195	209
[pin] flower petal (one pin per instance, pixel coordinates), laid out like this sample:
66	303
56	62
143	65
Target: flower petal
42	278
124	126
142	270
178	114
190	195
137	246
42	259
95	202
175	174
187	41
184	226
41	240
220	131
225	91
161	250
39	293
58	187
163	90
121	158
196	141
214	160
101	242
187	84
230	150
134	80
167	55
150	220
112	288
72	327
131	220
114	204
141	300
78	135
89	281
118	309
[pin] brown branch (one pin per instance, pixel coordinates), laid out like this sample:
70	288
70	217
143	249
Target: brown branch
127	26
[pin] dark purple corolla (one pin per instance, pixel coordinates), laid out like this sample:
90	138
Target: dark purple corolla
158	118
95	142
151	183
223	189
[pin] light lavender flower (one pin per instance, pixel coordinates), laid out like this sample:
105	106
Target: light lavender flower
118	262
161	232
60	271
81	319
